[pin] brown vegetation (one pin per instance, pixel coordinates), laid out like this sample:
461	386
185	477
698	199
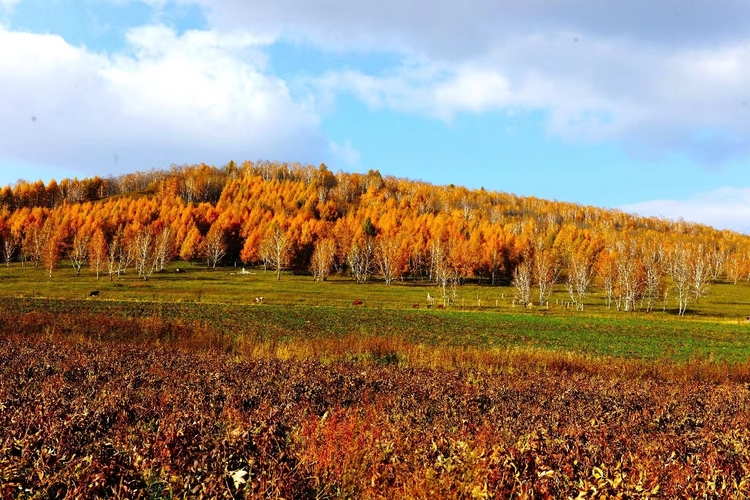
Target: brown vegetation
141	408
82	422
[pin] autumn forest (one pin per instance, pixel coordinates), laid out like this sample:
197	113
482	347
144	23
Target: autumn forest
310	220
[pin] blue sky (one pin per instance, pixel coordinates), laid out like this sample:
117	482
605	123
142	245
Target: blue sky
635	105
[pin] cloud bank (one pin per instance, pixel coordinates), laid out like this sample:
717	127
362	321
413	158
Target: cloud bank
658	78
200	96
725	208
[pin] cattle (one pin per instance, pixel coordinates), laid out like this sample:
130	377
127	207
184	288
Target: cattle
179	270
415	306
258	300
357	303
440	306
95	293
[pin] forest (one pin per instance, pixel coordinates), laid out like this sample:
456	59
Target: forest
309	220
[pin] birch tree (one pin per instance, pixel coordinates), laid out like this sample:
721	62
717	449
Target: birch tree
546	271
580	276
359	258
734	267
163	248
717	258
143	245
10	245
679	272
215	245
700	272
361	255
606	273
79	251
387	259
50	250
35	242
653	276
322	259
114	250
522	282
628	283
443	272
97	252
275	249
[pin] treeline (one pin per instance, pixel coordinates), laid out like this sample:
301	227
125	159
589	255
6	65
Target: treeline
196	184
310	219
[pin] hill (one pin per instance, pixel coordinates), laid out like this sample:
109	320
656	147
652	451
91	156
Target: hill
311	220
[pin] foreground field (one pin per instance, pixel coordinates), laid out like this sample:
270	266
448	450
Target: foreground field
83	420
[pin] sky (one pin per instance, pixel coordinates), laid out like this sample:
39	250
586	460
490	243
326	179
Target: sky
642	106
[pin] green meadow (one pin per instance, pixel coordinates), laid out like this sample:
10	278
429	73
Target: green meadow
483	317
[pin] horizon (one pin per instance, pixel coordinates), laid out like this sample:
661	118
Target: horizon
631	107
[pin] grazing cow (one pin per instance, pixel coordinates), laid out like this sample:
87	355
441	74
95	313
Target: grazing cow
179	270
258	300
95	293
415	306
440	306
357	302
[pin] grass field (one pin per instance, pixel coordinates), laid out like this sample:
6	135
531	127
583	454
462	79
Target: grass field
726	301
298	308
183	387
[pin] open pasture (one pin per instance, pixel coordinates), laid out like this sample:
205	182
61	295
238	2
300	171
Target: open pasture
725	302
298	308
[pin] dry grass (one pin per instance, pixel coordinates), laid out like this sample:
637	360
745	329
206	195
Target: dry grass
87	419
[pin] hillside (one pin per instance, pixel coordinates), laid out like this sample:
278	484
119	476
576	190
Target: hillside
311	220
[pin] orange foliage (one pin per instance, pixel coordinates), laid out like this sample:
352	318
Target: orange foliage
483	234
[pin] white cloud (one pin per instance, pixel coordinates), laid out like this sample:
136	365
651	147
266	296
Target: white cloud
658	77
436	90
724	208
464	29
344	152
8	4
201	96
654	101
